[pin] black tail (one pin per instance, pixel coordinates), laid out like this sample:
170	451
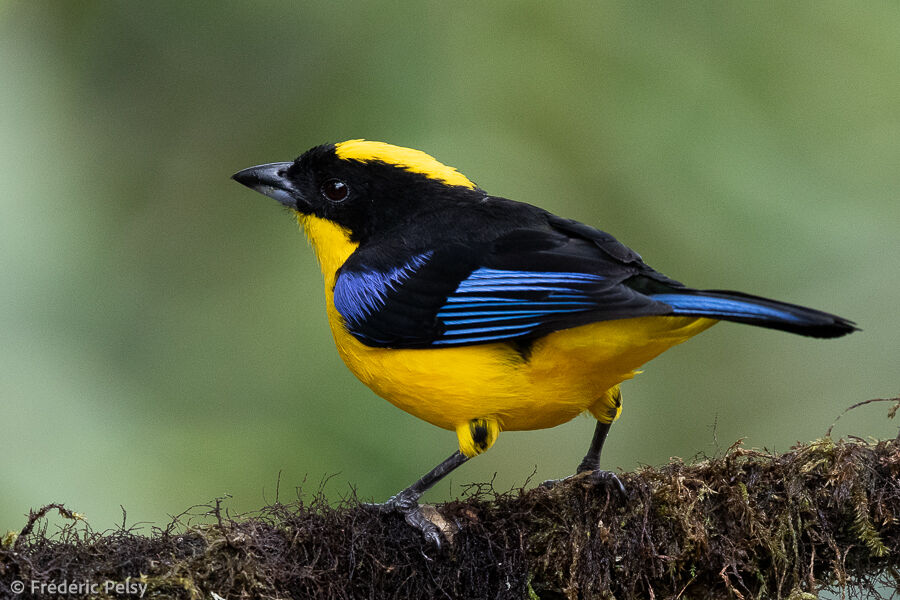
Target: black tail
744	308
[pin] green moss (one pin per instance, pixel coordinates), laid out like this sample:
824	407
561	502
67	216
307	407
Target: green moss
863	527
747	525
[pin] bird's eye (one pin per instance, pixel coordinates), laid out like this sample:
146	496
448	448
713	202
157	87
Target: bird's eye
335	190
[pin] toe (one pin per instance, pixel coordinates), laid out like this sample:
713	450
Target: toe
430	523
416	518
609	480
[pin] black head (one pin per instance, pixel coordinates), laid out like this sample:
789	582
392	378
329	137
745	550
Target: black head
365	187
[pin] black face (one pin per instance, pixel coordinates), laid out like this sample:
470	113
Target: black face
367	198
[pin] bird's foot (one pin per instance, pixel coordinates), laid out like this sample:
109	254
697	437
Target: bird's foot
426	518
607	479
610	481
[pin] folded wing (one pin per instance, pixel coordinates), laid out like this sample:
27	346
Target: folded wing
524	284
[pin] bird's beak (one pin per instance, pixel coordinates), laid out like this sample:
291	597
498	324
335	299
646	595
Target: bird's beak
270	180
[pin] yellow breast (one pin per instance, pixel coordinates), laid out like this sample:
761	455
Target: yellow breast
565	373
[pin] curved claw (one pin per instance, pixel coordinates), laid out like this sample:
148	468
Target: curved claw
426	518
610	481
607	479
414	514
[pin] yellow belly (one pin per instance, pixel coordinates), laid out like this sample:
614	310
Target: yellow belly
566	372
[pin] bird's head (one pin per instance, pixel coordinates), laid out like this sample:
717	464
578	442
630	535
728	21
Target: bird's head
362	186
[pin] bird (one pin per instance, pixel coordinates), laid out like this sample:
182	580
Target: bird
480	314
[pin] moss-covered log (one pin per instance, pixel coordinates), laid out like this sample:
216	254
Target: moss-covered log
747	525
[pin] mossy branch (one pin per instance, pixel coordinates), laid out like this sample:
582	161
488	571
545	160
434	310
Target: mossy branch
750	524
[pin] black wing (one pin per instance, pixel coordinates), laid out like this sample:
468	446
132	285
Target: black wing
526	283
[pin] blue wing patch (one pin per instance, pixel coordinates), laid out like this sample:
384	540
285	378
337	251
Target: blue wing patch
495	304
358	294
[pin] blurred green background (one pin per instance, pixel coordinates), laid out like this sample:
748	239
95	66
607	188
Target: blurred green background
163	333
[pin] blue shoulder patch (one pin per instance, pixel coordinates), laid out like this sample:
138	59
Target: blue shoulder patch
358	294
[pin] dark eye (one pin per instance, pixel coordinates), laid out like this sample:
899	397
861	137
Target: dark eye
335	190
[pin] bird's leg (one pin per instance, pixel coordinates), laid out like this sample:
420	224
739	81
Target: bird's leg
411	495
591	460
590	464
475	436
407	501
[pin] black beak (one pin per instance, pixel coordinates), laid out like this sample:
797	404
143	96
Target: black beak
270	181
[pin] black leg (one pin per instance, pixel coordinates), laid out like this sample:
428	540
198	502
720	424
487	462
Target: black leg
427	481
407	501
591	461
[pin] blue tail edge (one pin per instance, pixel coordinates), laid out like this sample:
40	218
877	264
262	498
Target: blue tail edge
754	310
